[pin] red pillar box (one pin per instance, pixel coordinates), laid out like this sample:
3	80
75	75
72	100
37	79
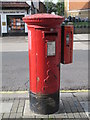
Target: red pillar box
44	40
67	44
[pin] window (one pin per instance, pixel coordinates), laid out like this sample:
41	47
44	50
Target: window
15	24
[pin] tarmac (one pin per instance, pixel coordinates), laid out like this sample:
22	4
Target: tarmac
74	104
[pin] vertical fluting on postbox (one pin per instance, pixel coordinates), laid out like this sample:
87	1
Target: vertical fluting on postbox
44	43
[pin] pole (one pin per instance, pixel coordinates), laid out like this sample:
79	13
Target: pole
47	6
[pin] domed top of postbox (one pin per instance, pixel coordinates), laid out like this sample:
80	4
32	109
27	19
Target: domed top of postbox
45	20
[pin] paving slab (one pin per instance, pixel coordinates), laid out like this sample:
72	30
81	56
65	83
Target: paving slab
13	115
6	115
64	95
70	108
86	107
28	112
81	36
19	115
5	107
80	46
1	115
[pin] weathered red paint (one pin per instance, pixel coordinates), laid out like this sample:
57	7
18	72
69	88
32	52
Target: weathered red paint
44	70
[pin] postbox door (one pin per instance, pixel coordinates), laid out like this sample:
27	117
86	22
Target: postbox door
67	45
47	60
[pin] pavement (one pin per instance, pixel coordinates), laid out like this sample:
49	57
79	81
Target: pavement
7	45
74	104
81	37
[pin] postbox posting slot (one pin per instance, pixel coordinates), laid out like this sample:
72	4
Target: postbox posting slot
51	34
47	34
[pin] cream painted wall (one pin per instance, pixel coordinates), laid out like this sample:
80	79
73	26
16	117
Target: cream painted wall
3	19
81	13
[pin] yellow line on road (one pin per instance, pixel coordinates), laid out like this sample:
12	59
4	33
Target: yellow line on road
13	92
72	91
23	92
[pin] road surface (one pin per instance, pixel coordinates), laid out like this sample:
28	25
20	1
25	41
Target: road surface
15	67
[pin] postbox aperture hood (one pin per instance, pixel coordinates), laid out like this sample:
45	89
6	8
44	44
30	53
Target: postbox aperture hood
45	20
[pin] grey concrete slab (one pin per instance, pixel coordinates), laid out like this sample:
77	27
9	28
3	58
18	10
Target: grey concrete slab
73	108
1	115
28	112
82	96
15	106
82	36
86	107
41	116
5	107
61	115
21	103
64	95
12	115
29	117
76	115
14	109
77	104
8	44
70	115
20	109
70	108
19	115
83	115
80	46
6	115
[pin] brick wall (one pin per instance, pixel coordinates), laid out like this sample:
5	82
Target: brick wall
79	5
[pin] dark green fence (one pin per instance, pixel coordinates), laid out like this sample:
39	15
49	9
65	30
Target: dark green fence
81	27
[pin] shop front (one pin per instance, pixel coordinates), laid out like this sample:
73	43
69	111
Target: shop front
15	24
11	18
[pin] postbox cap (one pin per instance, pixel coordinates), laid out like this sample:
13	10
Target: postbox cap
43	19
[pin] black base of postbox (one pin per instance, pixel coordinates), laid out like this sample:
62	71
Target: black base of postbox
44	104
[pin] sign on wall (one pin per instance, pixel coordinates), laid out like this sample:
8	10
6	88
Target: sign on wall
3	23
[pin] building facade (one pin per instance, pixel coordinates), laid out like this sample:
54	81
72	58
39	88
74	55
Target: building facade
11	18
79	8
12	12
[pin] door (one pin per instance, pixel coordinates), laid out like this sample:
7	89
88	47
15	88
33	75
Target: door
47	61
